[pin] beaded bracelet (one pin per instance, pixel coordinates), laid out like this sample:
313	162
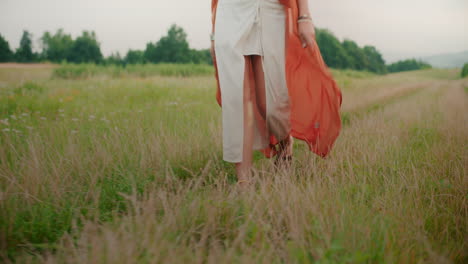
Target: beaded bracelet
304	17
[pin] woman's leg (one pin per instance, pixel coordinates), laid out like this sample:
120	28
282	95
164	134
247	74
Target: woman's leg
285	145
243	169
259	78
254	89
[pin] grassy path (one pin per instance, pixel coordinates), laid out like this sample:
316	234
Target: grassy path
125	172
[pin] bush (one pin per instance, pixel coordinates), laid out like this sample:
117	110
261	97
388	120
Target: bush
464	71
408	65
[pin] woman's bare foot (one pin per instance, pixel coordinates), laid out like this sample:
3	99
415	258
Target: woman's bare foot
244	173
244	183
285	152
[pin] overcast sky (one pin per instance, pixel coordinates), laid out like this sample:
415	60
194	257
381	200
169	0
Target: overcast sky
397	28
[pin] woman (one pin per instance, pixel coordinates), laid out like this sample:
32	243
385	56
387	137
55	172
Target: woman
273	84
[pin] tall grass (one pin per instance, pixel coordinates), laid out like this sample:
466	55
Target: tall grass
129	170
83	71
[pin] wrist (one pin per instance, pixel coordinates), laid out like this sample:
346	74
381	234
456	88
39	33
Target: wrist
304	20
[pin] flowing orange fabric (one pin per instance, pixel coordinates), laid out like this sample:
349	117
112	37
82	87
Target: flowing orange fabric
314	95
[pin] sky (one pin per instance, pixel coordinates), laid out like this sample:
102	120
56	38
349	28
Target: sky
399	29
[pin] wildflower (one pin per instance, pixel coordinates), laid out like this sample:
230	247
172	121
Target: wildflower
6	130
25	114
4	121
13	117
74	131
43	118
61	110
62	115
30	127
75	119
92	117
17	131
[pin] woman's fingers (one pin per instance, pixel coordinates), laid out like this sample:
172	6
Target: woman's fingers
303	40
306	34
310	40
306	40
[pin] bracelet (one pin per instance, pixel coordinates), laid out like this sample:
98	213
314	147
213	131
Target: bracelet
212	37
303	17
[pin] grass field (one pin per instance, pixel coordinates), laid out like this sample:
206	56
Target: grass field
127	168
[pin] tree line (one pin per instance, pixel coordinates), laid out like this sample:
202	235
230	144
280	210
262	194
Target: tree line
61	47
174	48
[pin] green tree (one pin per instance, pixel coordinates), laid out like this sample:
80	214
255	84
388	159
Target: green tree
86	48
464	71
332	51
358	59
172	48
25	51
151	53
375	61
56	47
5	52
135	57
200	56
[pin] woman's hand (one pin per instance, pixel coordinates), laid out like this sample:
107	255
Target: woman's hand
212	50
306	32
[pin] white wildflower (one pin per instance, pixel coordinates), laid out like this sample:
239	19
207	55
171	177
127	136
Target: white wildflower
4	121
6	130
43	118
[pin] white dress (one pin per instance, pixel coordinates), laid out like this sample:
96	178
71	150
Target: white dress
251	27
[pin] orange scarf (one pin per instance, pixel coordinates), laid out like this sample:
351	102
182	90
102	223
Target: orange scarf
314	95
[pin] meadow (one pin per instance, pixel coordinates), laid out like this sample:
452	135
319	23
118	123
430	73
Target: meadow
111	165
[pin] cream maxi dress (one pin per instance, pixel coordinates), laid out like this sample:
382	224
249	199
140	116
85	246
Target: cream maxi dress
251	27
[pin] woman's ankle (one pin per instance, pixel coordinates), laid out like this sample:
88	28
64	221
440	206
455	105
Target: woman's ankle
285	146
